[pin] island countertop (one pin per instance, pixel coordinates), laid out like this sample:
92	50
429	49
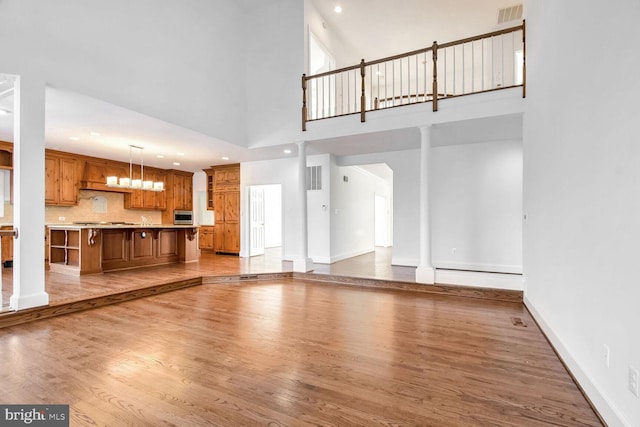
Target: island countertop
116	225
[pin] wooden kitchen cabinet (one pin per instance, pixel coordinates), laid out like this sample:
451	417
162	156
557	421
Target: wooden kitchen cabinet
178	193
145	199
183	191
207	238
223	196
61	180
7	247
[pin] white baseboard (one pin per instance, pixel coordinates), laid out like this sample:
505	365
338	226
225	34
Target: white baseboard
348	255
321	259
480	279
488	268
605	407
405	262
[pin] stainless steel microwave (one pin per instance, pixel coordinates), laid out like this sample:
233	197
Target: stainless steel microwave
183	217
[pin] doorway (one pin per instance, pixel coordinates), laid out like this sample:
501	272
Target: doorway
265	219
382	220
7	107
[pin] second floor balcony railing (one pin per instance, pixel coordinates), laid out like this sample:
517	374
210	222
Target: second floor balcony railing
483	63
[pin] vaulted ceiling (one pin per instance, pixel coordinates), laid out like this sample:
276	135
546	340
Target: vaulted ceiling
373	28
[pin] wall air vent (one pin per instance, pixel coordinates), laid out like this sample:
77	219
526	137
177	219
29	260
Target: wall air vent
314	178
508	14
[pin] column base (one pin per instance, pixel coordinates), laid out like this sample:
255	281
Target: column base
425	274
22	302
302	265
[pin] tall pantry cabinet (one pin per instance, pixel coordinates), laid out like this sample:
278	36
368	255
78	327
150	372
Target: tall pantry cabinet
223	197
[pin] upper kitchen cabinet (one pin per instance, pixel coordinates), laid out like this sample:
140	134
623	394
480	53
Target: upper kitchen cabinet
61	179
221	179
145	199
182	186
178	193
6	155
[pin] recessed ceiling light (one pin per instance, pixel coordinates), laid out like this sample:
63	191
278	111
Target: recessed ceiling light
160	156
338	9
287	151
225	158
74	138
95	134
176	163
180	154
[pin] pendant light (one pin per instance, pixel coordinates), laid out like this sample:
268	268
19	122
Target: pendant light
135	184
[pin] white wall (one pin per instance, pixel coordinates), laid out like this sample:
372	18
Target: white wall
406	218
582	191
353	211
268	172
476	207
274	61
318	211
158	57
342	52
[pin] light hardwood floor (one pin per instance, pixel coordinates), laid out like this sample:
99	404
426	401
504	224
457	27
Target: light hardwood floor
64	288
293	352
283	352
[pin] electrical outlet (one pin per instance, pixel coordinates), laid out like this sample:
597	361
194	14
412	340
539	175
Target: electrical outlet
633	381
453	251
61	218
607	355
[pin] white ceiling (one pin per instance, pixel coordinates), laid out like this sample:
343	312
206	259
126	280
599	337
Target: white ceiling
69	114
496	128
379	28
376	28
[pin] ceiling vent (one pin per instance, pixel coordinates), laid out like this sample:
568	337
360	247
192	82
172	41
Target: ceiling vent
508	14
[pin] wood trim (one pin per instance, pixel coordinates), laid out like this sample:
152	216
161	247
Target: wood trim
460	291
38	313
71	306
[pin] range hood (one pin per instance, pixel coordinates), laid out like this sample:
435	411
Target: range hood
95	176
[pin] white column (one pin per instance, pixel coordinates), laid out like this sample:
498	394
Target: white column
28	208
302	263
425	272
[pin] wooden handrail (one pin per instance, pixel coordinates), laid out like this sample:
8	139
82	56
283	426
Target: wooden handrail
329	73
418	51
482	36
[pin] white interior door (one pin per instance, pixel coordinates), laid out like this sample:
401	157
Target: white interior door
382	221
256	220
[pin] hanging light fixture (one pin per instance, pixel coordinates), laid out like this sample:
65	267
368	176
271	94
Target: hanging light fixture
138	183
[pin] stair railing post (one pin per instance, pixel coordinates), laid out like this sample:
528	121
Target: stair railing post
434	51
304	102
363	100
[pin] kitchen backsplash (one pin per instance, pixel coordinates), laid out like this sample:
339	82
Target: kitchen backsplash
92	206
99	206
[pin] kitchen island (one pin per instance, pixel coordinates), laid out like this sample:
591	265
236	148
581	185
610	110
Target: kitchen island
91	248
